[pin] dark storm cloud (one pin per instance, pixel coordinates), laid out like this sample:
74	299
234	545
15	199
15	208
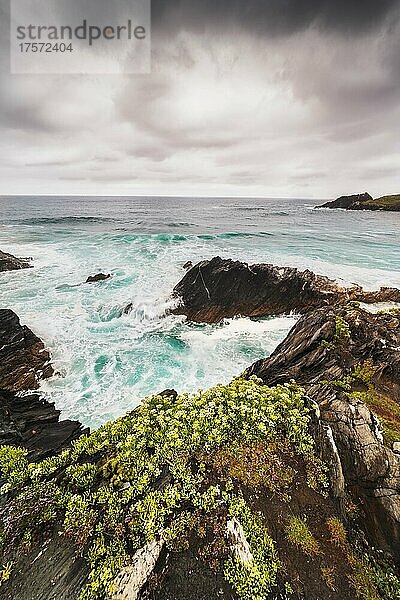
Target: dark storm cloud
271	16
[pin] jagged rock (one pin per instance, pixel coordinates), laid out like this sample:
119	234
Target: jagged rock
313	355
32	422
222	288
98	277
28	420
23	357
365	202
8	262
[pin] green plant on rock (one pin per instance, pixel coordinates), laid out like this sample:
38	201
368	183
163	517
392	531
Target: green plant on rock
5	572
252	580
298	534
342	331
131	481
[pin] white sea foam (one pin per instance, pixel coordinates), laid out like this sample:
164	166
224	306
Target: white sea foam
109	360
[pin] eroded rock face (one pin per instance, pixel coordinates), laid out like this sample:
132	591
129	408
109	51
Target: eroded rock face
222	288
28	420
8	262
23	357
319	354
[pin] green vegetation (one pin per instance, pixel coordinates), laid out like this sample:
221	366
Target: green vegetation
342	331
337	531
298	533
386	409
386	201
5	573
167	469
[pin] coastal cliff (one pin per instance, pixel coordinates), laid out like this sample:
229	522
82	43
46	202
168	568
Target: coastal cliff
365	202
284	483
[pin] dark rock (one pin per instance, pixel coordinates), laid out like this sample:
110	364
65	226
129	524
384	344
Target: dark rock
169	394
309	354
365	202
53	572
28	420
222	288
347	201
128	308
98	277
32	422
8	262
23	357
188	265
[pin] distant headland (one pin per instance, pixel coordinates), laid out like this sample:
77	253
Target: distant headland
365	202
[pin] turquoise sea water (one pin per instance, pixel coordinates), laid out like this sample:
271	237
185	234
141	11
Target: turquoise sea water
108	362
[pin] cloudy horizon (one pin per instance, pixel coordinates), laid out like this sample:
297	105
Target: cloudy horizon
244	99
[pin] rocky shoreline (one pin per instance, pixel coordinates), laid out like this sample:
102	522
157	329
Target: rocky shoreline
216	289
256	489
26	418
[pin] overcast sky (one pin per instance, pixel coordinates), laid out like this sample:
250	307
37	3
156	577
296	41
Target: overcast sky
271	98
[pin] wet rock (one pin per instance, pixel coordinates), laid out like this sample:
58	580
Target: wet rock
318	360
98	277
8	262
222	288
188	265
23	357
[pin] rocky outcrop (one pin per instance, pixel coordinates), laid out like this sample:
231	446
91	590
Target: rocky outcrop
24	359
32	422
348	360
222	288
98	277
365	202
8	262
28	420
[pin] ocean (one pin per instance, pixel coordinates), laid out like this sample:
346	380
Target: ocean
106	361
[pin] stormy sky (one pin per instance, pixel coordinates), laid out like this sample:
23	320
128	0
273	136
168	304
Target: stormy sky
271	98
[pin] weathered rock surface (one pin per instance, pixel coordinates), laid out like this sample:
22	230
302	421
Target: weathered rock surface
222	288
24	359
28	420
365	202
32	422
8	262
51	571
98	277
317	357
132	578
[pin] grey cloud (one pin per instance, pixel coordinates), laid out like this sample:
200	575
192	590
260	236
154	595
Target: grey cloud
271	16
